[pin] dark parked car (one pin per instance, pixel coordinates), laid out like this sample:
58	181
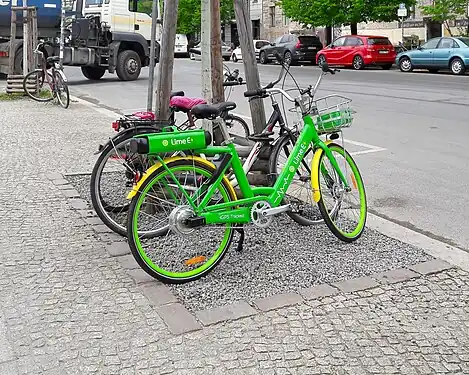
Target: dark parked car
293	48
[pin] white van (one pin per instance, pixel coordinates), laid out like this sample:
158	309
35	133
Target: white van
180	47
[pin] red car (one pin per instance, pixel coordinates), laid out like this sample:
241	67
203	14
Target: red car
358	51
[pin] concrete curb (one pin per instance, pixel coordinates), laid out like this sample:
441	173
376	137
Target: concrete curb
179	320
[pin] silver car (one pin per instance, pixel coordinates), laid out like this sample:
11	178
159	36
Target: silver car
194	52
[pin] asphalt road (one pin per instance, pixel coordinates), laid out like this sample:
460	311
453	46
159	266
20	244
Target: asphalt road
409	135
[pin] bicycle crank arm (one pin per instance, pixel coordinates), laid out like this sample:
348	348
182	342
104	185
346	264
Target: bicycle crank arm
276	210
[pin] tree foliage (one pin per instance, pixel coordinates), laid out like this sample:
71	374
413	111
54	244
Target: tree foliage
445	11
341	12
189	13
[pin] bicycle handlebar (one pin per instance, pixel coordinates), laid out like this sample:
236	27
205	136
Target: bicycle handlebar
269	89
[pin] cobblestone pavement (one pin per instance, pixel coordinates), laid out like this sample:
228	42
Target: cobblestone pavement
67	307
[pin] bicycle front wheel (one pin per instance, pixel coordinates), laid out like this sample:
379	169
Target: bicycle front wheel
61	87
37	86
299	194
185	253
344	210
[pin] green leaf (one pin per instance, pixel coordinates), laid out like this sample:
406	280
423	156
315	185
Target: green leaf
336	12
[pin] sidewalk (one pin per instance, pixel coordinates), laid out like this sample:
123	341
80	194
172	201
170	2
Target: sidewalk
72	301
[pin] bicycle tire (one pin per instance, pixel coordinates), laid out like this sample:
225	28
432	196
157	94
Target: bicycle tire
148	265
358	184
240	121
299	215
60	80
30	76
95	183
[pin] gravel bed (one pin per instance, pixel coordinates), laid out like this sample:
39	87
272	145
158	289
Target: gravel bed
287	257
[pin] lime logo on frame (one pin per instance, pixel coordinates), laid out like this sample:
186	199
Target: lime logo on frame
165	142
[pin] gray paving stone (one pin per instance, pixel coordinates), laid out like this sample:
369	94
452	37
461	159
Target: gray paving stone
158	294
140	276
60	181
65	187
432	266
85	213
78	204
318	291
70	193
355	285
117	249
101	228
8	368
395	276
178	319
94	220
128	262
111	237
54	176
278	301
231	312
6	351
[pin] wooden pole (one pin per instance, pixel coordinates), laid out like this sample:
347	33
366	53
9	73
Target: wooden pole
216	57
26	41
205	42
11	55
155	20
165	66
251	71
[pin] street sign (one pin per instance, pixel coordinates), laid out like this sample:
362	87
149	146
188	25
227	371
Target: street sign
402	12
401	6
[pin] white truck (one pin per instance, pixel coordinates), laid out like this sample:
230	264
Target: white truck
102	35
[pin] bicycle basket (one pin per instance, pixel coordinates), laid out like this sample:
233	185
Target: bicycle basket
334	113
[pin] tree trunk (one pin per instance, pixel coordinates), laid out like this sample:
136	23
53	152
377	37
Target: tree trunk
353	29
448	28
250	63
218	94
328	32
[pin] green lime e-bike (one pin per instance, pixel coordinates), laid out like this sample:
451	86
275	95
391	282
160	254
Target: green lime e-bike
205	210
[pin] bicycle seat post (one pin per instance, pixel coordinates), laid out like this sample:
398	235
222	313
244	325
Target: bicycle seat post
224	131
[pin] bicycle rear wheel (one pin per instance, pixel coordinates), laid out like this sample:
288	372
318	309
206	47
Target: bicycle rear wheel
184	254
343	213
61	87
37	87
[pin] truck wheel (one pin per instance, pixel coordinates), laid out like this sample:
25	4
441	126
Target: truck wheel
128	65
93	73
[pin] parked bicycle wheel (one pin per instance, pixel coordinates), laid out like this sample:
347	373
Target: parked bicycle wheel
344	211
184	254
37	86
299	195
237	126
114	174
61	89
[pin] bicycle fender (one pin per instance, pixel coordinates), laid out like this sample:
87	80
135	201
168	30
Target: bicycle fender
315	173
62	74
157	165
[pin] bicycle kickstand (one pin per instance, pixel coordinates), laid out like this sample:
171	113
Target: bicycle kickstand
240	230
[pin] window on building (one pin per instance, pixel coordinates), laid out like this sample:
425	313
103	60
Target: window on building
256	29
272	16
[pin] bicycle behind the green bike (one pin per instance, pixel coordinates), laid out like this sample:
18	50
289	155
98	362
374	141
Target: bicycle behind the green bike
205	208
